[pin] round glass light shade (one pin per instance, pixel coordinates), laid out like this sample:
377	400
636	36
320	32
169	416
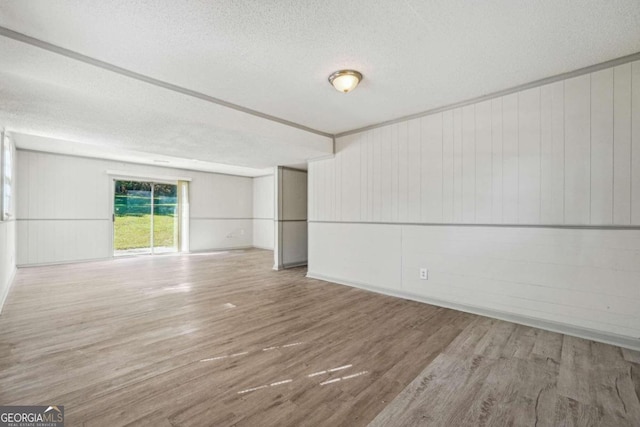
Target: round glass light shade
345	80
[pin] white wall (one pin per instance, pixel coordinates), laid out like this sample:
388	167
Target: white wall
564	154
64	207
263	212
291	217
7	250
7	257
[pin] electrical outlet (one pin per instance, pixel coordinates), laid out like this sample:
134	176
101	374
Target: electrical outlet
424	274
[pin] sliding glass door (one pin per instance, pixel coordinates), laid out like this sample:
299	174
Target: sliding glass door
145	219
165	218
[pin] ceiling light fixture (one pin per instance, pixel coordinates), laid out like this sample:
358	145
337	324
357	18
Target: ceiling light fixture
345	80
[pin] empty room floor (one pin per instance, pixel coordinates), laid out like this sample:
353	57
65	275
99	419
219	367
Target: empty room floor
221	339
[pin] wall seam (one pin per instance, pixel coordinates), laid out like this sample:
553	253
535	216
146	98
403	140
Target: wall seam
442	166
631	147
518	157
590	147
613	143
564	153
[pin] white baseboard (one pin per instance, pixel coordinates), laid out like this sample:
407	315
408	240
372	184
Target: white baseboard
74	261
562	328
229	248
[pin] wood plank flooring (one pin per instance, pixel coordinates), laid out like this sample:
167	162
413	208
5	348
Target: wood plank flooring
500	374
210	340
221	339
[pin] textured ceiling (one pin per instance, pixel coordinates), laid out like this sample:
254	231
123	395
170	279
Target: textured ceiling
275	56
45	94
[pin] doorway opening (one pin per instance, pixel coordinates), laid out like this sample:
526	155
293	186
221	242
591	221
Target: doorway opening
145	218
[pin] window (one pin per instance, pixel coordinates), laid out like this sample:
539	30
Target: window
7	175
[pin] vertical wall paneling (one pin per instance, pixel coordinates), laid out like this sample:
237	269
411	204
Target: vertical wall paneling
364	178
325	204
263	198
635	143
414	183
483	163
34	179
331	186
351	182
324	190
552	153
602	147
386	174
577	150
313	182
447	166
496	161
457	165
431	167
263	212
341	153
529	156
54	229
376	171
510	159
562	153
22	209
469	164
337	193
395	171
353	197
403	171
622	144
565	153
373	167
22	241
321	190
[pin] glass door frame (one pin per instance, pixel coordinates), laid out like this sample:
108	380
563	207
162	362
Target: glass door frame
152	181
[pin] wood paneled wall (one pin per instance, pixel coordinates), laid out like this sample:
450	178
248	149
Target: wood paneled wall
64	207
567	153
263	212
563	154
7	257
8	244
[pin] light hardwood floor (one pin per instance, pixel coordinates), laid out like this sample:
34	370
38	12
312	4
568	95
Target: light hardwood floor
221	339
